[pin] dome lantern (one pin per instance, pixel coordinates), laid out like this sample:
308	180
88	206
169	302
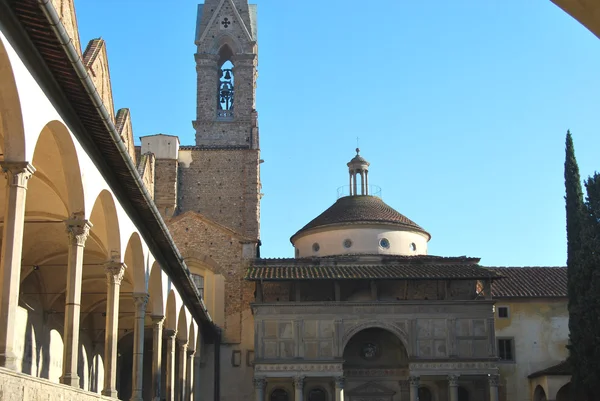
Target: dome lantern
359	166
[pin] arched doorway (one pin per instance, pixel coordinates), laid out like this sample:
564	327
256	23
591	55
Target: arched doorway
425	394
539	394
317	394
369	349
564	394
279	394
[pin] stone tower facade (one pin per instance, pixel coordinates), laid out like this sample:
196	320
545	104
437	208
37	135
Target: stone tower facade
209	193
226	157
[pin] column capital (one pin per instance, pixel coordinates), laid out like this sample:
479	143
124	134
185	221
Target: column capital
299	381
183	344
140	300
414	381
170	333
78	230
453	380
191	353
340	382
17	173
114	272
157	320
259	382
494	380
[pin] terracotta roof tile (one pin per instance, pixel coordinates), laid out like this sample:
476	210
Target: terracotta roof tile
362	209
562	369
415	267
533	282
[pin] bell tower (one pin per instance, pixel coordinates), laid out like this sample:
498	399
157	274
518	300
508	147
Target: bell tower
226	61
219	177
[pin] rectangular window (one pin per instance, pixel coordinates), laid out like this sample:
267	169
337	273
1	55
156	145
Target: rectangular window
505	349
199	283
503	312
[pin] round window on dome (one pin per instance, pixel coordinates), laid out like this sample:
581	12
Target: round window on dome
413	246
384	243
347	243
316	247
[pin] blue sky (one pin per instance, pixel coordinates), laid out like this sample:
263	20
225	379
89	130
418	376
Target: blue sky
461	107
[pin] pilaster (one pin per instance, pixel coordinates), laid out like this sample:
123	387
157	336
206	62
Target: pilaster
453	387
299	388
494	381
340	382
259	388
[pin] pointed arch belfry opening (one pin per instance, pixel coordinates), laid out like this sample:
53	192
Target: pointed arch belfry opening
226	84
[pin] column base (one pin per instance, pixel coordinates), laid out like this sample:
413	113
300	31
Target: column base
9	361
110	393
70	380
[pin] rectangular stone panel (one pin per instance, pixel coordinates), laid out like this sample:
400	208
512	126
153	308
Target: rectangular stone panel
286	330
479	328
465	348
286	349
425	348
326	349
310	329
311	349
439	327
480	348
463	327
270	348
325	329
439	348
423	328
270	329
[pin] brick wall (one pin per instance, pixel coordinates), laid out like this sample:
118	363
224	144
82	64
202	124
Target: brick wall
222	185
198	238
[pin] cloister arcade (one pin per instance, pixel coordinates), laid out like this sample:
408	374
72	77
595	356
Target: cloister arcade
83	300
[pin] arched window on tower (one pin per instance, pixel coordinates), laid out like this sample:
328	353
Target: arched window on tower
225	94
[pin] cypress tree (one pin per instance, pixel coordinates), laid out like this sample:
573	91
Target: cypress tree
588	369
575	282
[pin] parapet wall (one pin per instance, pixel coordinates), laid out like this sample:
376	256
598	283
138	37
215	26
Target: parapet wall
22	387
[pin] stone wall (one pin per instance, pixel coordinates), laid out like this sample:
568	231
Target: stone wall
165	186
222	185
21	387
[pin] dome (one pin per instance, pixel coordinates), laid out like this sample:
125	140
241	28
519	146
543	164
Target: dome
360	210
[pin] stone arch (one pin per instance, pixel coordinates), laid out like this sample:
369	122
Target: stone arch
171	311
374	324
155	289
226	42
539	394
57	165
199	257
105	224
192	336
134	259
564	393
183	325
12	131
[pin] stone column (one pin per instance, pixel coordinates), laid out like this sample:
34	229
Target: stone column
157	329
259	388
494	381
453	387
171	348
114	275
77	230
140	300
299	388
190	376
182	369
17	176
414	387
339	388
354	182
366	182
